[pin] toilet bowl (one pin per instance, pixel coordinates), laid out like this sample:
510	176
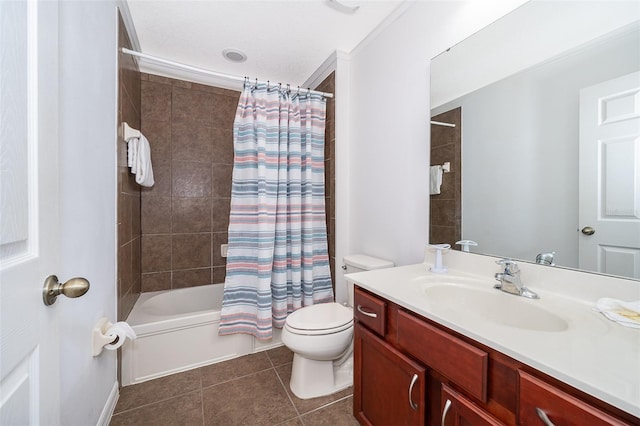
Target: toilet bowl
316	345
321	339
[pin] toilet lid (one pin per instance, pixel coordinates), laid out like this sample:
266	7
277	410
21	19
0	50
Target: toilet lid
323	316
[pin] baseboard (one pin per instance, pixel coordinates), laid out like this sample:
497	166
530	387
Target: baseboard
109	406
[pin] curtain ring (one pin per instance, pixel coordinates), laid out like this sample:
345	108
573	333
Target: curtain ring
256	81
298	90
308	91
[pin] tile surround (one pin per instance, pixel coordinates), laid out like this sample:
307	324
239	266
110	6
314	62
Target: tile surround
250	390
128	201
185	216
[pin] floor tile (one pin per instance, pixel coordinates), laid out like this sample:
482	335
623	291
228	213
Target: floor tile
156	390
339	413
279	356
234	368
306	405
293	422
182	410
258	399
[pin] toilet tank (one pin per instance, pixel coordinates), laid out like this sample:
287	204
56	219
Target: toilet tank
359	263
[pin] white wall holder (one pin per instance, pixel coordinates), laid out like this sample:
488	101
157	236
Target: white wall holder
106	335
129	133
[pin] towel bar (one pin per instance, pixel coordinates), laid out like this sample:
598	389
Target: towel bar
129	133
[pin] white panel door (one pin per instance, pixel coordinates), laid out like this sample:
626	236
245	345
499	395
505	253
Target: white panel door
29	353
610	177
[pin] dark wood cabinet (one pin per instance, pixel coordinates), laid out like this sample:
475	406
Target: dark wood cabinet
457	410
408	370
543	404
389	387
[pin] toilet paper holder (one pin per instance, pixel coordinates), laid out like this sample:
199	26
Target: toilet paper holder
100	337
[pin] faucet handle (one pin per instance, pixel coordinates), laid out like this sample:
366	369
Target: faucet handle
510	266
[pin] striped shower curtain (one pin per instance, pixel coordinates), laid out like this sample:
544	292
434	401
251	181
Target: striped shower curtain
277	259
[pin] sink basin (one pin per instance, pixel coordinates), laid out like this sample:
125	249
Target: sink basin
495	306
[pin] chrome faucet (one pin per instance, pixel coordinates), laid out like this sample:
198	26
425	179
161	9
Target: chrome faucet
510	281
546	258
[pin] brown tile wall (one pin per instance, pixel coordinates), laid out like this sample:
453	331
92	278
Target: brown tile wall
329	85
445	208
128	190
185	215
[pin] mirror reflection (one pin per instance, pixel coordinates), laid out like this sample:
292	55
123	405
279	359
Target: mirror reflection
538	116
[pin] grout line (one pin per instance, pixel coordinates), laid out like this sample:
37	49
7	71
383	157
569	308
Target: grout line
286	391
202	400
328	404
156	402
237	378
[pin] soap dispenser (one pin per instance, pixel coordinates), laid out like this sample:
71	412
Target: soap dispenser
438	267
465	244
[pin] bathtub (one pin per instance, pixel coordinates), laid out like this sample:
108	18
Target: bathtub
177	331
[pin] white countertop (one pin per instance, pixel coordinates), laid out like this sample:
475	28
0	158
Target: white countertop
593	354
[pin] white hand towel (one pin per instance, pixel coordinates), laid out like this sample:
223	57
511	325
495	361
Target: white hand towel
132	154
624	313
144	170
435	179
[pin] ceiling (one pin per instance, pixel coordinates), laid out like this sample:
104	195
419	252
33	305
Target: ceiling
285	40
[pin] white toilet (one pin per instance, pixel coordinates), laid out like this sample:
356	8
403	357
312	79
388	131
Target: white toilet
321	338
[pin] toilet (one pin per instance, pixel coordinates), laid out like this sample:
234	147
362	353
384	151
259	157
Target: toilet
321	339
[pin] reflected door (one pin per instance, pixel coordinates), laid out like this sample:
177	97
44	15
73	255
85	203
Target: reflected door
609	212
29	355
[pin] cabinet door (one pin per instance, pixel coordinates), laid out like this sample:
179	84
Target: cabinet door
389	388
457	410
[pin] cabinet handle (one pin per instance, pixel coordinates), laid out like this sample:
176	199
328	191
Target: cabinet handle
414	406
363	312
543	416
447	405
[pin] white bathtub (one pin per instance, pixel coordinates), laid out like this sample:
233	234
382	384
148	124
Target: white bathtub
178	330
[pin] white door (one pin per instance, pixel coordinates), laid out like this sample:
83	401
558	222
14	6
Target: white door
29	355
609	212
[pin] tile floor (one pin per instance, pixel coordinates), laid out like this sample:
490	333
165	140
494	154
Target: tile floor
251	390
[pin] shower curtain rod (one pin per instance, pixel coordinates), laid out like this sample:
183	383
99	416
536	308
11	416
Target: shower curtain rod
205	71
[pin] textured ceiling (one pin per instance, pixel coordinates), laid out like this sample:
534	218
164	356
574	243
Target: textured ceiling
285	41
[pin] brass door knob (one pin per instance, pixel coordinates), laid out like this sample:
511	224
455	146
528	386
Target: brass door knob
75	287
587	230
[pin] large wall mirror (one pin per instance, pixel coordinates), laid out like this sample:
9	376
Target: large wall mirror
540	119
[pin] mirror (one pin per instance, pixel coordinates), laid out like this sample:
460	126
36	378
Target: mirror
531	168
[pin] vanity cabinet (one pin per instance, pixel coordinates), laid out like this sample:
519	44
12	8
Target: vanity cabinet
409	370
389	387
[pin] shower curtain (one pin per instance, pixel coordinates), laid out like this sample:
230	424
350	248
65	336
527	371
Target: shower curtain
277	258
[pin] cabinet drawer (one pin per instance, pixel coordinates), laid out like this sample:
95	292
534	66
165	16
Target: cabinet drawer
458	410
558	406
460	362
370	311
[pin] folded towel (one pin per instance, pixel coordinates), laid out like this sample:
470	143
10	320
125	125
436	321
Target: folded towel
435	180
132	154
624	313
144	170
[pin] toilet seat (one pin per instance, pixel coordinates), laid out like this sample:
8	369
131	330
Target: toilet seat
323	318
